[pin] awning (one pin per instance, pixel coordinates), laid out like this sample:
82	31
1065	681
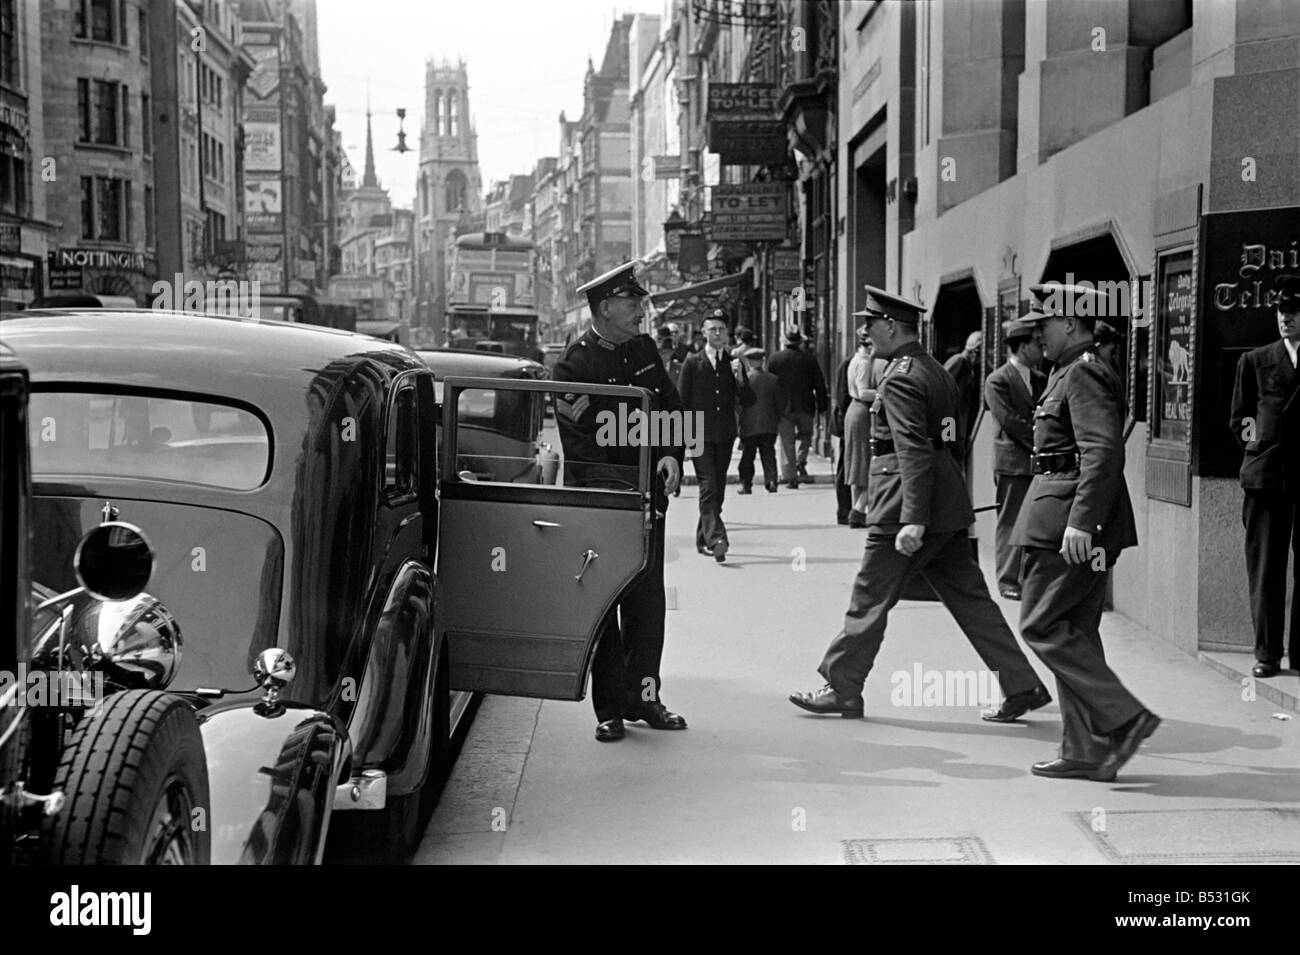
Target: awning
698	289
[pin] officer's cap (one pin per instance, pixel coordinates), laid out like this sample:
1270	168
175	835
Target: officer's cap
1056	299
1288	292
882	304
1022	327
617	281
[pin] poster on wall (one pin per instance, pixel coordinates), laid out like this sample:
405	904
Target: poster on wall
261	147
263	209
1175	312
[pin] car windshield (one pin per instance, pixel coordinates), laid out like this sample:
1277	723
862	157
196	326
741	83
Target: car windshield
153	437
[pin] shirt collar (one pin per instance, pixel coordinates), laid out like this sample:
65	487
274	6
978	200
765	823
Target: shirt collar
712	353
1291	349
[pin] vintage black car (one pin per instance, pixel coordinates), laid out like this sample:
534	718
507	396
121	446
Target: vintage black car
287	479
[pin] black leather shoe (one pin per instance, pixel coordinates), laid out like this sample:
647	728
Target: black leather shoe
841	519
720	551
610	731
771	487
656	714
803	473
1124	743
857	518
1017	705
826	701
745	489
1011	593
1065	769
1265	670
792	485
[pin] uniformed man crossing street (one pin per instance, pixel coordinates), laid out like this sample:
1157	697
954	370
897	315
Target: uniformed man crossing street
1074	522
614	351
917	519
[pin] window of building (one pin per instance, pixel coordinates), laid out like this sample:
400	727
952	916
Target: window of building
146	125
9	42
924	32
102	112
105	208
101	20
150	236
14	192
453	115
221	161
437	112
142	25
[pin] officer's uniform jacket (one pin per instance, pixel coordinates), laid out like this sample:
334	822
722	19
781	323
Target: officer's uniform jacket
596	360
1266	390
917	408
1081	410
1012	405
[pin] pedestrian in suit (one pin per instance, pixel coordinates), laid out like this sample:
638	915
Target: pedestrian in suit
711	389
1011	393
1074	522
965	370
758	424
613	351
840	401
917	517
1266	423
802	395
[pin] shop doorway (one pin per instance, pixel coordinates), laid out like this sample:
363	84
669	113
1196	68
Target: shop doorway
957	312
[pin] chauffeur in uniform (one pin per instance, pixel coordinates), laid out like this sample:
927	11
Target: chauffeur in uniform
1266	423
1076	519
917	519
613	351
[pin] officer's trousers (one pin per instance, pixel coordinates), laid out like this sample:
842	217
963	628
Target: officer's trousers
625	669
1060	619
1011	490
945	560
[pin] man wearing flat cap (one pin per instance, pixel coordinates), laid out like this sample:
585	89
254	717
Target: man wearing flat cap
1266	423
1075	520
1011	393
918	513
615	352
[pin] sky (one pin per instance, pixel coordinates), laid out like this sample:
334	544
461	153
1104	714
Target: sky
526	61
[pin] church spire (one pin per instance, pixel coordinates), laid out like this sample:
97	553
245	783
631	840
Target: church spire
368	179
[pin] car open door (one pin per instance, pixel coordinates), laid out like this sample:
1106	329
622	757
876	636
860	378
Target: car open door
531	556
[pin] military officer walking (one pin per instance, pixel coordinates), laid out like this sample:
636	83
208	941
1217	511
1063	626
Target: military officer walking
1076	519
1266	423
613	351
917	519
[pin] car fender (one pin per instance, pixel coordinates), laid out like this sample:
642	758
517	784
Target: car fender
390	726
272	769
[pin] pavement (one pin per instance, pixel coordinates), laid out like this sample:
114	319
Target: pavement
755	780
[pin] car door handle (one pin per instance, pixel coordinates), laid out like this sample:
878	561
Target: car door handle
587	558
545	524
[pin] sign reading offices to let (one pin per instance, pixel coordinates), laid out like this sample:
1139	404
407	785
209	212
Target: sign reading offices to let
745	127
749	212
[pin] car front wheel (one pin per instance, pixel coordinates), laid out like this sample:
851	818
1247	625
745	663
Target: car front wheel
135	782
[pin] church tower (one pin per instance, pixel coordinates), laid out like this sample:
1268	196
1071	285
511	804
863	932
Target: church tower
449	189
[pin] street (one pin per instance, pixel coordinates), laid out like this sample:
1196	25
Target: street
755	780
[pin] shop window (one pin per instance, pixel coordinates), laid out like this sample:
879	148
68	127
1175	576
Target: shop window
14	194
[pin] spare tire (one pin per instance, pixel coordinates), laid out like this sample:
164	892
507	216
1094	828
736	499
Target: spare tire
135	784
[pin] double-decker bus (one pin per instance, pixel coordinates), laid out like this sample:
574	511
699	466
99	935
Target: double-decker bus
491	305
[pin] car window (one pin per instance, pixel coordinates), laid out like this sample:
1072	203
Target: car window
148	436
402	447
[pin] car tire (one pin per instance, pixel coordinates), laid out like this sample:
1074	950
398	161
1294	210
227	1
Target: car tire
132	774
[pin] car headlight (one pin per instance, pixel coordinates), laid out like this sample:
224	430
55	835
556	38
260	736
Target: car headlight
135	643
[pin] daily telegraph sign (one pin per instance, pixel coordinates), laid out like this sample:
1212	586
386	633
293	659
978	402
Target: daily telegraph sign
750	212
745	126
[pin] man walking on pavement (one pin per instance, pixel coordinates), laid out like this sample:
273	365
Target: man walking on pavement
918	513
801	392
1266	423
1011	393
965	370
758	424
710	390
625	669
1076	519
841	400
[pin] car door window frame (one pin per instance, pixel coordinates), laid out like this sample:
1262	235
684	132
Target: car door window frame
392	493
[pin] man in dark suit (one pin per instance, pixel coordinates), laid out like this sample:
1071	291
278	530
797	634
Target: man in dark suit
1266	423
917	517
1076	519
965	370
613	351
841	399
1011	392
758	424
710	390
802	395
